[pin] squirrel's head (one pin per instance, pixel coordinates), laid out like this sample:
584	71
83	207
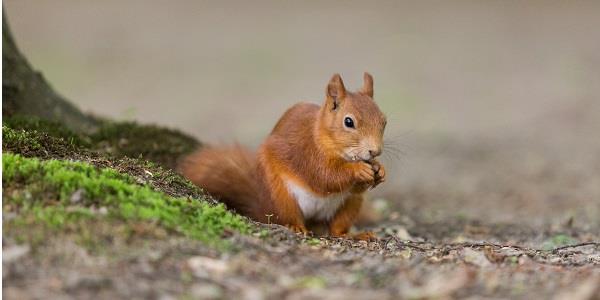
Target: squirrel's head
352	122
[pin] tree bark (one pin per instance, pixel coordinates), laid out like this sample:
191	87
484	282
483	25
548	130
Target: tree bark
26	92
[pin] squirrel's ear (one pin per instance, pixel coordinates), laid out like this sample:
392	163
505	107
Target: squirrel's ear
335	90
367	88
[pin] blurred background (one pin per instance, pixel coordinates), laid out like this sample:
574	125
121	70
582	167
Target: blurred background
493	106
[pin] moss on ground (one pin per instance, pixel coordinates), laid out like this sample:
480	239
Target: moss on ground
34	138
149	142
120	178
113	139
54	129
56	193
558	240
36	143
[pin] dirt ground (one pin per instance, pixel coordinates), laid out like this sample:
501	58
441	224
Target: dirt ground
494	161
287	267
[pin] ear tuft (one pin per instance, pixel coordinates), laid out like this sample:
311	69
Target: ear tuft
367	88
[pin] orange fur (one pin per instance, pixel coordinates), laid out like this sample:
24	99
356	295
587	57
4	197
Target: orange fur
345	217
226	173
311	146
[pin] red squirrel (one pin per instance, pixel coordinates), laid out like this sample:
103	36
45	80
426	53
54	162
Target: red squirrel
313	168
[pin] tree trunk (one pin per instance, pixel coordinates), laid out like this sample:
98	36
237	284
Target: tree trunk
26	92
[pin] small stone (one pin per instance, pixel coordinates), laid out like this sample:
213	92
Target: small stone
509	251
103	210
166	297
406	253
204	267
13	253
475	257
77	196
252	293
206	291
403	234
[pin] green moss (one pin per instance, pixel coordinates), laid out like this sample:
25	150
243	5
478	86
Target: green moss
35	143
39	144
149	142
118	186
58	192
115	139
311	282
54	129
313	241
558	240
19	138
263	233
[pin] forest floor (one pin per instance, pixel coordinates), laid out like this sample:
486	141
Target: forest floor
62	239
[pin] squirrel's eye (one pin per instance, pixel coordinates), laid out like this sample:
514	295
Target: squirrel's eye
348	122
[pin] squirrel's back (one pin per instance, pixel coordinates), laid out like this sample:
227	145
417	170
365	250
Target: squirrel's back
292	138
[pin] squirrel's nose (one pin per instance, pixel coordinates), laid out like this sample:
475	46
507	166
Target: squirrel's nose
375	152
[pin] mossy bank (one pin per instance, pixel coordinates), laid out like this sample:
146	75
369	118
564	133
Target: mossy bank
55	180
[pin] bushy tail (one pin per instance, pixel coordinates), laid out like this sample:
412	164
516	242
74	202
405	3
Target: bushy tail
226	173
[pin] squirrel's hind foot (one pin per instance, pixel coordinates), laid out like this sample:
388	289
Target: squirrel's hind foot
297	229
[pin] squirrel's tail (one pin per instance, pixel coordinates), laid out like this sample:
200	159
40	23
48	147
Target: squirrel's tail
226	173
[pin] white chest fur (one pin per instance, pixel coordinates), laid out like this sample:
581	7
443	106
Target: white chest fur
315	206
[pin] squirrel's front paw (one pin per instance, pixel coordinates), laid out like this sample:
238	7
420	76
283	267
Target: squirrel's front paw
379	172
364	173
